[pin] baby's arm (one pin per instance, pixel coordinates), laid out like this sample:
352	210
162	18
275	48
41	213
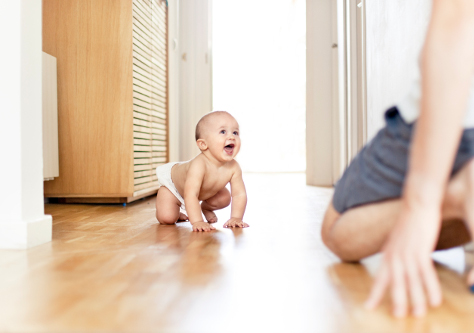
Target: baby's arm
192	187
239	200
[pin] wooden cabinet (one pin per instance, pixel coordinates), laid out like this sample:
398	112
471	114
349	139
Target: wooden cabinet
112	96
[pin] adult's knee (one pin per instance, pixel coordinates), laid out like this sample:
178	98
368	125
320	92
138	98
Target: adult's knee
327	234
337	242
342	248
329	221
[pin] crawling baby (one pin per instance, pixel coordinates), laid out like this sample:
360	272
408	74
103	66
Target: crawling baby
189	190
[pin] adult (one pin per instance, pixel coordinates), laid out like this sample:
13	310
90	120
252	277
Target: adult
410	191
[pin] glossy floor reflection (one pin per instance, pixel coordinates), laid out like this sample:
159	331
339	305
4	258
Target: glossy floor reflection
115	269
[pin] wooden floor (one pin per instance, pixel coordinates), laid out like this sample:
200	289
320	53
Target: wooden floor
115	269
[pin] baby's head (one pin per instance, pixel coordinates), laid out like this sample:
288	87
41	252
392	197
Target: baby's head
218	133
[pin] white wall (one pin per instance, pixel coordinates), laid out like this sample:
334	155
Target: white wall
22	220
395	34
195	73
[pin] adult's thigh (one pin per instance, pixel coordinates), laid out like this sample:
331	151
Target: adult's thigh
360	231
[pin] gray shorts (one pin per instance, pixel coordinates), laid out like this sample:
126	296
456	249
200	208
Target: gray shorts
378	171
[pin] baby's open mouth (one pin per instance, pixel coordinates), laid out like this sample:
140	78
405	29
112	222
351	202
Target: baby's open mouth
229	149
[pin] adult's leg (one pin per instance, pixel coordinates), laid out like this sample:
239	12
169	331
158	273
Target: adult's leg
360	232
220	200
167	207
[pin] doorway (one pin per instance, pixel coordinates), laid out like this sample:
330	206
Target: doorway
259	76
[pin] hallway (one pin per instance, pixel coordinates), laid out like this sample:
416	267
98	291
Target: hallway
115	269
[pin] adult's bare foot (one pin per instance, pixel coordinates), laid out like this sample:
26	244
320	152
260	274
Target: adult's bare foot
210	216
467	174
458	202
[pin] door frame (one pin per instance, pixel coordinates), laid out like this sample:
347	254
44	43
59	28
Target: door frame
336	93
352	76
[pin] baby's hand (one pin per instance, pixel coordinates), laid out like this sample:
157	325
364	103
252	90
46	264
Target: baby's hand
235	222
202	226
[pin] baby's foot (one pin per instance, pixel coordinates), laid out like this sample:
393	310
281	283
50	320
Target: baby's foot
210	216
182	217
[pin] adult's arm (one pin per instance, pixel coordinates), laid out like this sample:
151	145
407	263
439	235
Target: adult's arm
447	70
447	74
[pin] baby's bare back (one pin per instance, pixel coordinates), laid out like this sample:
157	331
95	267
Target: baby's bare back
213	180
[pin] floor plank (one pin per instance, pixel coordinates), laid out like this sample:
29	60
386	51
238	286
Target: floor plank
115	269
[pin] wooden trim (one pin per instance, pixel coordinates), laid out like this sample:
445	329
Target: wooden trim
143	193
108	200
86	195
167	90
105	200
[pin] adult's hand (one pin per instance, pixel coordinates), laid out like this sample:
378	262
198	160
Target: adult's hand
407	270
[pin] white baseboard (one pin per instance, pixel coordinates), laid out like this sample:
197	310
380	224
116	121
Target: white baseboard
23	235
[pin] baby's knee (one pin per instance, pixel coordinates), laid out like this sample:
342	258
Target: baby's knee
166	217
220	200
225	199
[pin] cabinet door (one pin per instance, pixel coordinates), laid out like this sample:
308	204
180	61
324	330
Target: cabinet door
92	42
150	92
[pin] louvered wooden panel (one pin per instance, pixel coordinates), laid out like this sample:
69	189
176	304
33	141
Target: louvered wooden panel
150	91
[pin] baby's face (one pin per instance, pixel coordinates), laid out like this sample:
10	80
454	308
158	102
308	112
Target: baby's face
222	136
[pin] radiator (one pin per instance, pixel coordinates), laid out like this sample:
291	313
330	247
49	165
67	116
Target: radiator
50	118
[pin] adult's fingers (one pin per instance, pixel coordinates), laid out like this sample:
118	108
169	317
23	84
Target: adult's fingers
378	289
417	294
398	290
431	282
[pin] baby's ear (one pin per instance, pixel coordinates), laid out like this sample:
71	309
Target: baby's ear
202	145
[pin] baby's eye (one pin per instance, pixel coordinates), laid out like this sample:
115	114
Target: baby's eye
222	132
236	133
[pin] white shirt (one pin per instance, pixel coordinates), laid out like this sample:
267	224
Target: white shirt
409	106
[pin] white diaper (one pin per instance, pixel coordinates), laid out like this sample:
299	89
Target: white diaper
163	172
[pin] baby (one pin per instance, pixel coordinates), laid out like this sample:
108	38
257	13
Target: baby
202	180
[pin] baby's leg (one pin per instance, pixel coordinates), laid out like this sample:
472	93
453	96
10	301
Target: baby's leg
220	200
167	207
